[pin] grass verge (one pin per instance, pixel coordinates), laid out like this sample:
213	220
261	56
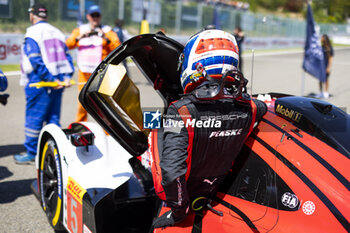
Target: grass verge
12	67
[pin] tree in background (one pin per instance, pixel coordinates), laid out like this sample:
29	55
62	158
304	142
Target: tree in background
331	11
271	4
294	5
325	11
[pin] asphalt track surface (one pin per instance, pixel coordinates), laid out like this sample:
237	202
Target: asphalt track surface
19	209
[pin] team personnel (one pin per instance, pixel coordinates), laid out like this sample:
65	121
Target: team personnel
3	81
3	87
195	158
94	42
44	58
123	35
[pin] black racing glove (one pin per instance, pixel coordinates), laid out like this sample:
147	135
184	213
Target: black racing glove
166	220
179	209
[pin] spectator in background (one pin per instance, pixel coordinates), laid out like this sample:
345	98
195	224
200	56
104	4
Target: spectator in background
162	30
328	54
239	36
3	81
45	57
94	42
123	35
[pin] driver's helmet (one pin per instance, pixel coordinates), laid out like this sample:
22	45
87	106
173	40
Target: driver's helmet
208	53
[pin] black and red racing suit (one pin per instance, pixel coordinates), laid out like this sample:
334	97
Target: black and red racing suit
198	152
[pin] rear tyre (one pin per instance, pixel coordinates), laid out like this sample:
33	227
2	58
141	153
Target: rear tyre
51	184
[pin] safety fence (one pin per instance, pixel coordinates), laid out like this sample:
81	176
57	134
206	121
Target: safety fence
176	17
180	20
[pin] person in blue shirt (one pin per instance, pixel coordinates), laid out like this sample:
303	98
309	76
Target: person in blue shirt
44	58
3	81
3	87
123	35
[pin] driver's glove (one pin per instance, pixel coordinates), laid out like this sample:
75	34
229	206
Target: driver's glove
166	220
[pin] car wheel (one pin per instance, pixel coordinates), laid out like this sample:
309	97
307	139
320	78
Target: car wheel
51	184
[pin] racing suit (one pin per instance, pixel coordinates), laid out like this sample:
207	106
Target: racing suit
45	57
91	51
197	156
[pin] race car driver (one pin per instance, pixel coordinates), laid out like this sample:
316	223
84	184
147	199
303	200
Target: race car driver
195	158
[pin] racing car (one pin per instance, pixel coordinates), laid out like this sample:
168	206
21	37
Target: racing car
292	174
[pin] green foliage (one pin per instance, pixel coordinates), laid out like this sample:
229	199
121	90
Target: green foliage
294	5
253	5
271	4
7	68
331	11
110	11
325	11
168	15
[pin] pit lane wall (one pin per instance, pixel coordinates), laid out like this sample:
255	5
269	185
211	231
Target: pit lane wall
10	45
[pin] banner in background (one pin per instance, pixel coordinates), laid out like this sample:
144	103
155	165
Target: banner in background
313	57
10	48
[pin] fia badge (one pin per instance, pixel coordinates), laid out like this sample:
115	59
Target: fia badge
290	200
309	208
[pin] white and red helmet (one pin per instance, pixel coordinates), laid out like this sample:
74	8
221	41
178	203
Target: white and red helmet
211	51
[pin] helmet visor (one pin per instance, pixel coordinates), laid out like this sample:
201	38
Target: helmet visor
207	90
230	85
